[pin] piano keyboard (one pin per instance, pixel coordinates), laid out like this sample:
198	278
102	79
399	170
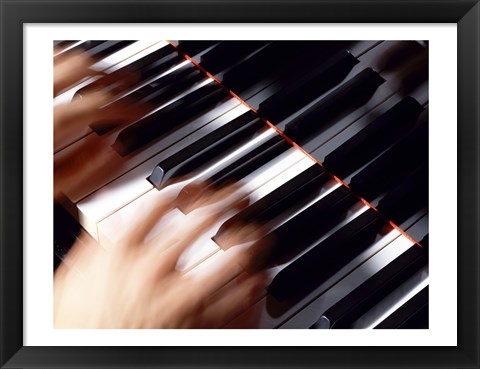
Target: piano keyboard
328	138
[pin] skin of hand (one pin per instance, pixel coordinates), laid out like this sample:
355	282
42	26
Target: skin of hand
95	106
135	284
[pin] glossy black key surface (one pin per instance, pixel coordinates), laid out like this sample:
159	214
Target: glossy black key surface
162	121
340	101
228	53
208	148
296	192
192	48
409	196
148	66
253	160
155	94
168	86
413	314
63	42
157	62
302	230
107	48
87	45
374	138
266	62
330	255
306	87
241	166
373	290
393	165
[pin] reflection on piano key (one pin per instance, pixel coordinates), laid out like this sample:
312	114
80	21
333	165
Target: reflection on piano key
206	149
372	291
108	194
356	106
411	312
320	302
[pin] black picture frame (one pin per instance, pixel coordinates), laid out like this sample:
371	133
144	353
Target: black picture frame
14	14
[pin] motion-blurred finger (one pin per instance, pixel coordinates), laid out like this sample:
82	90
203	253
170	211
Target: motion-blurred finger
177	243
70	69
151	215
234	298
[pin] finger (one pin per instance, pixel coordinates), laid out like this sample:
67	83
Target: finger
247	233
70	69
80	109
198	194
118	113
82	164
149	218
231	301
200	220
71	118
225	198
167	257
116	83
216	272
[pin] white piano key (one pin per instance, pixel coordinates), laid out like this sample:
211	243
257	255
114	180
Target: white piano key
112	207
111	63
199	250
69	47
133	184
273	313
121	165
153	78
269	171
394	300
128	55
282	178
307	316
102	206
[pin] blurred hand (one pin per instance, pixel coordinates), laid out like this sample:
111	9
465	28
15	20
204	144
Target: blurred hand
136	284
95	106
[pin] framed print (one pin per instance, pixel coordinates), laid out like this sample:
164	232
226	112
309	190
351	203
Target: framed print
389	172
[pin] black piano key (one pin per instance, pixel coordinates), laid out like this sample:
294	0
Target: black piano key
154	94
302	230
228	53
343	99
266	62
208	148
296	191
239	167
419	230
409	196
148	66
372	291
162	121
324	259
168	86
192	48
63	43
156	62
107	48
253	160
308	86
374	138
87	45
392	166
411	315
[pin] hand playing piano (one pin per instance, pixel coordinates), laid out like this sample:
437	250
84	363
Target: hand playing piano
74	119
136	284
